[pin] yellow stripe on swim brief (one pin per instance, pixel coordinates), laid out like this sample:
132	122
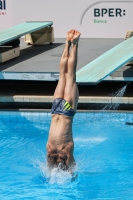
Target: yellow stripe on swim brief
67	106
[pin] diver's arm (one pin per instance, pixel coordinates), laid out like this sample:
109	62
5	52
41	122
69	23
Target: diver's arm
70	162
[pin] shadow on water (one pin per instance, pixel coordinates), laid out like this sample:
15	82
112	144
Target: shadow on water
129	123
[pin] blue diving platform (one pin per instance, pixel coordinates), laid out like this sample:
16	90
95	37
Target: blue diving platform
104	65
20	30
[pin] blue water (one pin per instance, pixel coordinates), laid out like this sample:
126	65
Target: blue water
103	153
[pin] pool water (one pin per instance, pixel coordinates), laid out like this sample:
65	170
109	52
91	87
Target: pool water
103	153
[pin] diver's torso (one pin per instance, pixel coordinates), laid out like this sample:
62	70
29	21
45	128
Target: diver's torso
60	134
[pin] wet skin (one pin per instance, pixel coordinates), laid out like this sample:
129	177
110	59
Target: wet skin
60	144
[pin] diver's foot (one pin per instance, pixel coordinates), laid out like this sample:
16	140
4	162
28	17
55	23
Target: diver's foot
76	36
70	35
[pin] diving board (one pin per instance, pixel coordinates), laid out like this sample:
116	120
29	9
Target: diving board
34	32
101	67
20	30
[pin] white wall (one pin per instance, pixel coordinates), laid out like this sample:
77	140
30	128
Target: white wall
5	14
67	15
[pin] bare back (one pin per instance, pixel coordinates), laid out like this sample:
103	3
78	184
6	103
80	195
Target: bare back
60	132
60	142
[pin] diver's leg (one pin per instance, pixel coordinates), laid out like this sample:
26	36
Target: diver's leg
59	91
71	90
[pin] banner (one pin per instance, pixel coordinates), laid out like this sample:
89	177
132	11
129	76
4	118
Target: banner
107	19
5	14
93	18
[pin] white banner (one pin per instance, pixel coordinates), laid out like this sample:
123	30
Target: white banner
93	18
107	20
5	14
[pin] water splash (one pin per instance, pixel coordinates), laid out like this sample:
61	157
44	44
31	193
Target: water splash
119	93
56	176
59	177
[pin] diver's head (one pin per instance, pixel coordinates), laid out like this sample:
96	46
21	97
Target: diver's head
57	160
62	166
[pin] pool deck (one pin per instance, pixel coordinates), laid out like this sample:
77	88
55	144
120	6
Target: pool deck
29	81
85	103
41	63
49	99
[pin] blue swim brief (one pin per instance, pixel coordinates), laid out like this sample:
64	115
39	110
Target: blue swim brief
62	107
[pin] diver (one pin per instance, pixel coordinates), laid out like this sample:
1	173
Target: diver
60	145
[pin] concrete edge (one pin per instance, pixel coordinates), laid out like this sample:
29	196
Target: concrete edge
82	99
78	111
